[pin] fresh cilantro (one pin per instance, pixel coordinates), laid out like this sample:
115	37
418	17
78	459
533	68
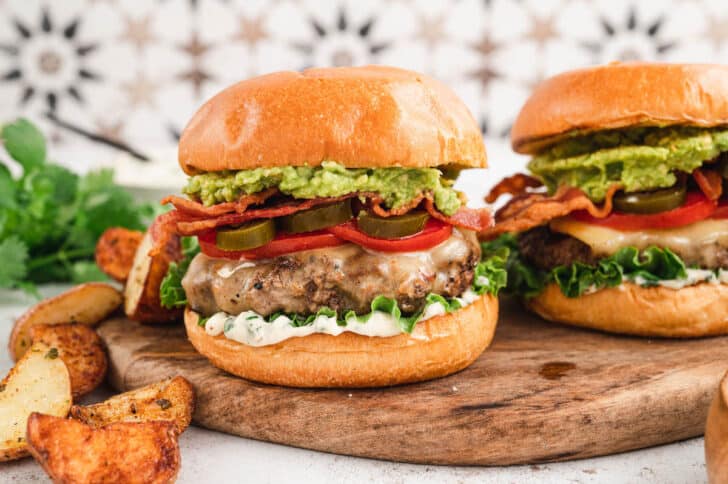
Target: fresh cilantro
24	143
51	218
14	255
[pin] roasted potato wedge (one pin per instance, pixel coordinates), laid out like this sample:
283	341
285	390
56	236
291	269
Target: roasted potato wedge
171	400
115	252
716	436
141	294
72	452
87	304
38	382
81	350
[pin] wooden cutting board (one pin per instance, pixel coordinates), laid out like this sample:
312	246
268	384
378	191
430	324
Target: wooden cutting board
542	392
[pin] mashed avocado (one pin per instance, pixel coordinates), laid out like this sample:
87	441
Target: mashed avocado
638	158
397	186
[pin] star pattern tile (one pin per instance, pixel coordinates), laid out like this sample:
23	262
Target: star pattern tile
125	67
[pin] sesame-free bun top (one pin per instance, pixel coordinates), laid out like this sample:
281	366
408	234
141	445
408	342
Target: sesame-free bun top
360	117
619	95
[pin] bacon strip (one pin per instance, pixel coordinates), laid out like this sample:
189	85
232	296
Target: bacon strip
515	185
375	205
195	226
478	219
163	230
531	210
710	183
193	208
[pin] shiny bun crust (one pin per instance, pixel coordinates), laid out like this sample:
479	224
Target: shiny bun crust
620	95
361	117
693	311
437	347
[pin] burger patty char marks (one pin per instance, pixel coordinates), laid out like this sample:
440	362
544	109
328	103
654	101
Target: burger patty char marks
546	249
343	278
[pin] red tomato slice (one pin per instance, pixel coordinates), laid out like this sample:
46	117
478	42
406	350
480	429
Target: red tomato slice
434	233
721	211
282	244
697	207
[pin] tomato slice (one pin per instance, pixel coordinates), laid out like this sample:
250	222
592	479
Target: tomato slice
697	207
282	244
434	233
721	211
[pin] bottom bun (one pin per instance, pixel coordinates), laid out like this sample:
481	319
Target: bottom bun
693	311
437	347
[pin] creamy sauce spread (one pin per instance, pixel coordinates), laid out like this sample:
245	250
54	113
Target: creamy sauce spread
252	329
694	276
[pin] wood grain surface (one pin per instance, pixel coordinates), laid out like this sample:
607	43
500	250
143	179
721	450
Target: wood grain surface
542	392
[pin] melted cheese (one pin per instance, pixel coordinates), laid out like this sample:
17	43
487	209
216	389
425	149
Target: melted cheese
607	241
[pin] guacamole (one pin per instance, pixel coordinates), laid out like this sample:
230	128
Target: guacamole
637	158
396	186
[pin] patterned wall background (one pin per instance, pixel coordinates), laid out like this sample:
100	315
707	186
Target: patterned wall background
110	76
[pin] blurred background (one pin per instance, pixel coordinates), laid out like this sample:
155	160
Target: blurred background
105	78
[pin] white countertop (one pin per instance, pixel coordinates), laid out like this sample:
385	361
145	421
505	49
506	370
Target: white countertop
213	457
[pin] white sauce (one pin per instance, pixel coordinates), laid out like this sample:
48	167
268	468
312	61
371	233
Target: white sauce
252	329
694	276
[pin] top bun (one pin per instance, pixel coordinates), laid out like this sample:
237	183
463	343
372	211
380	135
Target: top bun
619	95
360	117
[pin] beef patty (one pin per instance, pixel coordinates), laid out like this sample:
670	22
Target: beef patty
343	278
546	249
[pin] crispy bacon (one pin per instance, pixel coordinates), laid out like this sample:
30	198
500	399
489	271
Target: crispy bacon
710	183
478	219
195	226
515	185
162	230
526	211
375	204
193	208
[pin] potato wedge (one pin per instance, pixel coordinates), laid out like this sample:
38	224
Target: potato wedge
72	452
141	293
88	303
81	350
171	400
38	382
115	251
716	436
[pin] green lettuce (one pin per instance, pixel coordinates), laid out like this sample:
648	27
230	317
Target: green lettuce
171	293
636	158
646	267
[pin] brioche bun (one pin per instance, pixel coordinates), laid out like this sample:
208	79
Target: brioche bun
360	117
693	311
620	95
437	347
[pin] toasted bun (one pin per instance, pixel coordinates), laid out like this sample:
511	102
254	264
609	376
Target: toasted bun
361	117
693	311
437	347
620	95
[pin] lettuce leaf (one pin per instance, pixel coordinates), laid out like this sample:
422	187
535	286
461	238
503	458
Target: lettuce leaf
646	267
171	293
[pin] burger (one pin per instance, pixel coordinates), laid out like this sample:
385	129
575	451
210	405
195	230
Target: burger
325	245
622	223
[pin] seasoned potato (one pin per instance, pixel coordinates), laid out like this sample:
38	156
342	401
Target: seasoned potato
38	382
115	251
81	350
141	294
171	400
716	436
87	304
72	452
